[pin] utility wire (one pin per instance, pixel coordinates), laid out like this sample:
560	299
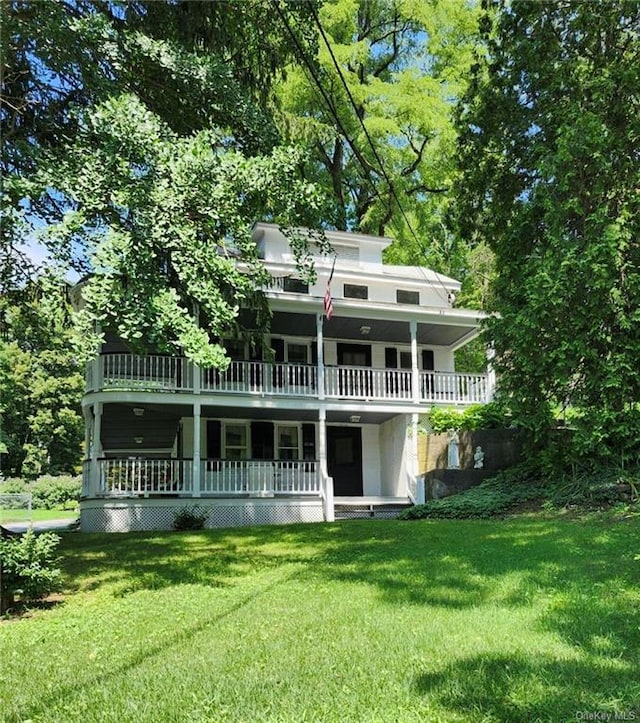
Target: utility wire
373	148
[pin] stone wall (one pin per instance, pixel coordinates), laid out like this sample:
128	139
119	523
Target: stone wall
502	448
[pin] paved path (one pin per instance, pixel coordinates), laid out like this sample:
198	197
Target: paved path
39	525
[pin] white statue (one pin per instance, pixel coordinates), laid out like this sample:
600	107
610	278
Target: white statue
454	455
478	458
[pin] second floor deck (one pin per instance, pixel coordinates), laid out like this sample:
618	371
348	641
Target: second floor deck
166	374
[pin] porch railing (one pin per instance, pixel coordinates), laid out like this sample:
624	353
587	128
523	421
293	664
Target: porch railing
259	477
150	373
174	374
454	387
127	477
255	377
368	383
139	476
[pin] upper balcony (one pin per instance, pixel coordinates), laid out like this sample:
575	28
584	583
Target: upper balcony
127	372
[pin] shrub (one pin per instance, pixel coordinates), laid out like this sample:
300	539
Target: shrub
477	416
526	483
190	518
55	492
28	567
48	492
13	486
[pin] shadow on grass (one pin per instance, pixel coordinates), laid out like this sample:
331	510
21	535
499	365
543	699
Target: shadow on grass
523	690
588	570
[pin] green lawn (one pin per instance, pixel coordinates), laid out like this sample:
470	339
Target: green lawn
518	620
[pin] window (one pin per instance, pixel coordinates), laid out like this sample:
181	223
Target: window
235	441
407	297
354	291
295	286
297	353
288	442
405	360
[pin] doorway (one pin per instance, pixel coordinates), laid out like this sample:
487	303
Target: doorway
344	460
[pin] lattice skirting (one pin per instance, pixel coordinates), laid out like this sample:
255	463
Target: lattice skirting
132	515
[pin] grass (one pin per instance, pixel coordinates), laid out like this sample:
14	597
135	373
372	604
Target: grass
525	619
7	515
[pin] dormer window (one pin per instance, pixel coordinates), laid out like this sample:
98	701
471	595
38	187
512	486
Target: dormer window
355	291
407	297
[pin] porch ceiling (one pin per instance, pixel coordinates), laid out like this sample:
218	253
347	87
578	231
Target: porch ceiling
389	331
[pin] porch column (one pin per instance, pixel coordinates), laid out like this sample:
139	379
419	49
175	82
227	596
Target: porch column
329	512
491	374
414	462
415	374
196	450
96	451
320	347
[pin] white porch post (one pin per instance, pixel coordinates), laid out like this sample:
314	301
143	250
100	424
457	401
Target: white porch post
491	374
196	449
415	374
329	511
414	463
320	347
96	451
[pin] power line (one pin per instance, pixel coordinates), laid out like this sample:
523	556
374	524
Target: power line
373	148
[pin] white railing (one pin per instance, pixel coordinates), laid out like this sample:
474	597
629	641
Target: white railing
453	387
129	371
368	383
253	377
138	476
86	478
165	373
259	477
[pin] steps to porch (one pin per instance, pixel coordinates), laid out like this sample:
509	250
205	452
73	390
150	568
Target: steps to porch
350	508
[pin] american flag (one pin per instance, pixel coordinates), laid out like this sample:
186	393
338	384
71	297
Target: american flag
328	301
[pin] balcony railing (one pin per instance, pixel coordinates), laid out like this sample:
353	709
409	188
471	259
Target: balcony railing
174	374
260	477
140	477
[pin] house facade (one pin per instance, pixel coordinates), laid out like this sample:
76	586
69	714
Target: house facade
328	422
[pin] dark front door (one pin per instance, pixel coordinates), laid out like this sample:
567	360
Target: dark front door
344	460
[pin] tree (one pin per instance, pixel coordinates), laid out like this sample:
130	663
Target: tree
149	158
549	145
378	117
40	382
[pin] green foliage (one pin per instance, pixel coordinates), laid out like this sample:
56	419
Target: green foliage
527	484
549	132
190	518
29	567
41	382
477	416
405	64
48	492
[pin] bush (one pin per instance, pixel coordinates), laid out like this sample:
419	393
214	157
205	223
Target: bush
477	416
55	492
47	492
525	484
28	567
190	518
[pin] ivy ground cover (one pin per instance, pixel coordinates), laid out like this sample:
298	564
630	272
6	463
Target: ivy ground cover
439	620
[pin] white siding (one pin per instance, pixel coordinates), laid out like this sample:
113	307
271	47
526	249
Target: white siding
393	453
371	476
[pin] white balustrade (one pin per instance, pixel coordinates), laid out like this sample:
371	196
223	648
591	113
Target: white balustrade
165	373
140	476
453	388
259	477
368	383
253	377
149	373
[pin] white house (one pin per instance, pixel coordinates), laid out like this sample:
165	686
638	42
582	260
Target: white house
329	425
